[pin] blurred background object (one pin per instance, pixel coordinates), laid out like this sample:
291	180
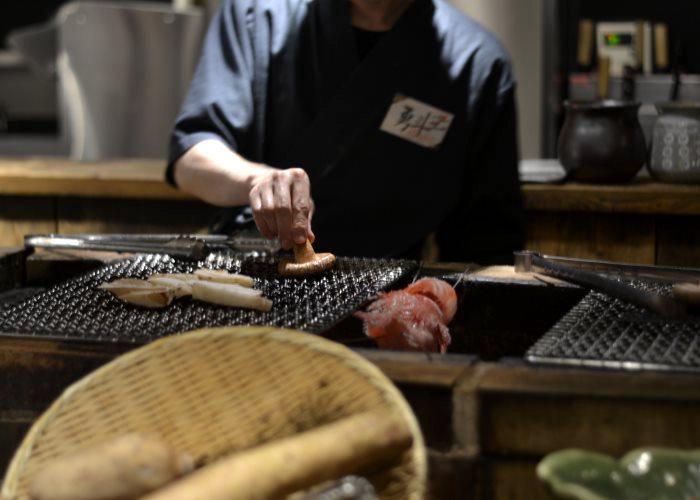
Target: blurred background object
28	102
657	43
602	141
123	71
556	46
99	79
675	153
520	27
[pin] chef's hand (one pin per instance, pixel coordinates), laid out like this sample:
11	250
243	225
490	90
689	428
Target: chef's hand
280	199
282	205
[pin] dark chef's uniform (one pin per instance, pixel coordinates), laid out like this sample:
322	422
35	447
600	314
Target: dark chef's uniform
402	134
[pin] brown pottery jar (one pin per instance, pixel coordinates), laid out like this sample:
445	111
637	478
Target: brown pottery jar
602	141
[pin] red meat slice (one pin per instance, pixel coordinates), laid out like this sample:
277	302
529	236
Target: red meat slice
405	321
439	291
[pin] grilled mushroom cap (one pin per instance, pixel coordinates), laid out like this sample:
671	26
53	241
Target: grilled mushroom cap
306	262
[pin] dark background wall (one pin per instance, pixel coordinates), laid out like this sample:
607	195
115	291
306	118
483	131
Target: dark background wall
682	17
16	13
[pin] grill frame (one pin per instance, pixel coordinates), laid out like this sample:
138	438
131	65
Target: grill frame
362	279
12	269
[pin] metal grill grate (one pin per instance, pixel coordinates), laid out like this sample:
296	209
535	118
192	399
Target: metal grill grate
77	309
604	332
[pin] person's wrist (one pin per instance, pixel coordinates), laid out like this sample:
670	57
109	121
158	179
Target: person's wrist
257	172
235	185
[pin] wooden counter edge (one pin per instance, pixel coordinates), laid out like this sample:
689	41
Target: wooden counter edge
144	179
127	179
636	198
534	380
144	190
418	368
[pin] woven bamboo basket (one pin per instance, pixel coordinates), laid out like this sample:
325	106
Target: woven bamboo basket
214	391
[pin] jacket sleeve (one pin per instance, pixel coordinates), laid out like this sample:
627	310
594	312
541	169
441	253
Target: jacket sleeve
487	225
219	103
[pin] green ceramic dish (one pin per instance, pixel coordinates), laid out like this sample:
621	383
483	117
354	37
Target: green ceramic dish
643	474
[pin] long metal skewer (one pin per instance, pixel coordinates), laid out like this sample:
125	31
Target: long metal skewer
660	304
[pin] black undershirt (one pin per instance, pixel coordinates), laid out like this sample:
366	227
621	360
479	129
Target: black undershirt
366	40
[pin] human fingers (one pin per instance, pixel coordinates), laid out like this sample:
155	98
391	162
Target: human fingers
302	206
256	205
283	208
312	236
267	211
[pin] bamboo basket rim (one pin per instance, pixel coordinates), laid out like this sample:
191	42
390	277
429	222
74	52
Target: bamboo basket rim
298	338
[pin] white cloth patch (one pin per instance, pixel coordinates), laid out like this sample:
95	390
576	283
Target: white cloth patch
417	122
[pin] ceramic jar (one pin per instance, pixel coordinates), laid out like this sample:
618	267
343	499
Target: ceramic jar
602	141
675	154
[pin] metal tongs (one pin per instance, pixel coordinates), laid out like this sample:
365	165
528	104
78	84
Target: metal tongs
192	246
582	272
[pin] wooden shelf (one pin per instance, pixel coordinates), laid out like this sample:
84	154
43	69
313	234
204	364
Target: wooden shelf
131	179
144	179
640	197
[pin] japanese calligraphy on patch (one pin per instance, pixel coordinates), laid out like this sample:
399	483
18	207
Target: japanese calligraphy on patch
417	122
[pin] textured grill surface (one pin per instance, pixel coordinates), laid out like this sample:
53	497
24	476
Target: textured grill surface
604	332
78	309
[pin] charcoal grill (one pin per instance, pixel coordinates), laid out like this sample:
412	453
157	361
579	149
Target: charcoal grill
78	309
604	332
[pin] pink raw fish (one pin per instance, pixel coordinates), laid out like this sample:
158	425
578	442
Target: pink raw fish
404	321
440	292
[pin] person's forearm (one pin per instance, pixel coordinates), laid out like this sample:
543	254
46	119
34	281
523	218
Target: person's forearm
211	171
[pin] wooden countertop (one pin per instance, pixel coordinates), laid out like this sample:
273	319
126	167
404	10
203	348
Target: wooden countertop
134	179
637	197
143	179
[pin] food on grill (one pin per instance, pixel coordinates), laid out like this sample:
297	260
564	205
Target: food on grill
156	297
140	292
407	322
180	286
413	319
361	442
440	292
216	287
124	468
306	262
220	276
127	285
186	277
226	294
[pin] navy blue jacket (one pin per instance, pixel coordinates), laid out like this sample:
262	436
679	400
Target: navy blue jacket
281	82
